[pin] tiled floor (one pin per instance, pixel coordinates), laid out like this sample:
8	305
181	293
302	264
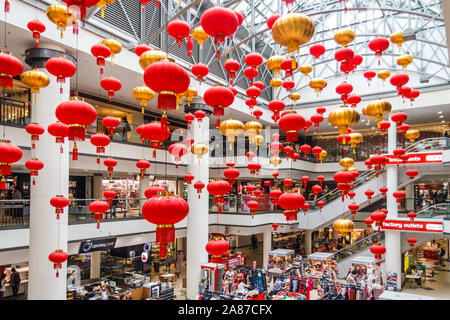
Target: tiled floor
437	287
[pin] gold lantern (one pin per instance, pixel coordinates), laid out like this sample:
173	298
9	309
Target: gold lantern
258	139
322	155
384	74
143	94
200	36
397	38
364	112
275	161
276	83
378	109
114	46
346	163
231	128
292	30
102	4
404	60
199	149
318	84
35	79
190	93
355	138
57	13
252	128
294	96
343	118
412	134
344	37
343	226
306	69
151	56
274	64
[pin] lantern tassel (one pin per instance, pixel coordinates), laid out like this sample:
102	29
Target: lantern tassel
75	152
7	6
2	183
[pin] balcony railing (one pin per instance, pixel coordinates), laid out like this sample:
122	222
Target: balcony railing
14	112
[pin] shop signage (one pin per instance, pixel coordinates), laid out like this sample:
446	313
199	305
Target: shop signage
97	245
415	158
417	226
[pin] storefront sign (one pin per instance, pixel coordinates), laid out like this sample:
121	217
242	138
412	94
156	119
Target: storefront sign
418	226
415	158
97	245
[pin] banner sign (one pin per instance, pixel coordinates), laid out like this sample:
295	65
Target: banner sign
97	245
416	158
416	226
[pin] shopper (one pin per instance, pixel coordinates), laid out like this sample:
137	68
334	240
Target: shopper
180	259
202	286
2	285
14	280
125	127
71	279
441	254
114	204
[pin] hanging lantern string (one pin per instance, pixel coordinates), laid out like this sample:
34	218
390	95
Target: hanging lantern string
6	46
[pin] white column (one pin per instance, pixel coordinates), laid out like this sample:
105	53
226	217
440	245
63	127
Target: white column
96	260
43	283
308	242
409	195
267	245
97	186
143	184
197	219
392	238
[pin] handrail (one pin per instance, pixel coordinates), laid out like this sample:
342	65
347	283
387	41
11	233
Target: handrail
430	142
339	255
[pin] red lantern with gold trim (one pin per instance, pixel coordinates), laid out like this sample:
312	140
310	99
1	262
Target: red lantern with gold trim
58	257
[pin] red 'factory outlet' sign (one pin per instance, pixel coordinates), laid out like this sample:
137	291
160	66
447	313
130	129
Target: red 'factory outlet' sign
418	226
416	158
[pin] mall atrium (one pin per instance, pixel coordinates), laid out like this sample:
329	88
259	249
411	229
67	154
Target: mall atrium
224	150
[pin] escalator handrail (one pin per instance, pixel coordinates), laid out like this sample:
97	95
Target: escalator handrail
369	237
428	140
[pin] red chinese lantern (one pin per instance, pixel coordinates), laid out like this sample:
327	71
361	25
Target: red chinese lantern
82	6
110	123
412	242
369	193
369	75
288	85
59	130
35	130
111	85
219	98
368	163
320	204
344	89
144	3
100	140
399	118
317	50
291	123
199	186
384	126
316	119
321	110
231	173
253	92
403	128
305	207
61	68
412	173
199	114
253	60
200	70
188	178
165	211
289	65
275	175
98	208
399	80
34	165
353	207
288	182
254	168
378	217
399	195
142	165
250	155
413	95
159	77
316	189
189	117
383	191
378	45
291	202
58	257
110	163
316	151
378	250
276	106
156	134
305	180
305	148
10	67
252	205
343	54
320	179
368	223
251	73
153	191
109	196
275	226
353	100
295	156
275	148
36	27
177	150
351	194
179	30
274	194
141	48
356	60
259	84
219	23
379	162
412	215
271	20
231	66
77	114
59	202
217	248
218	189
344	188
101	52
250	188
403	91
308	123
